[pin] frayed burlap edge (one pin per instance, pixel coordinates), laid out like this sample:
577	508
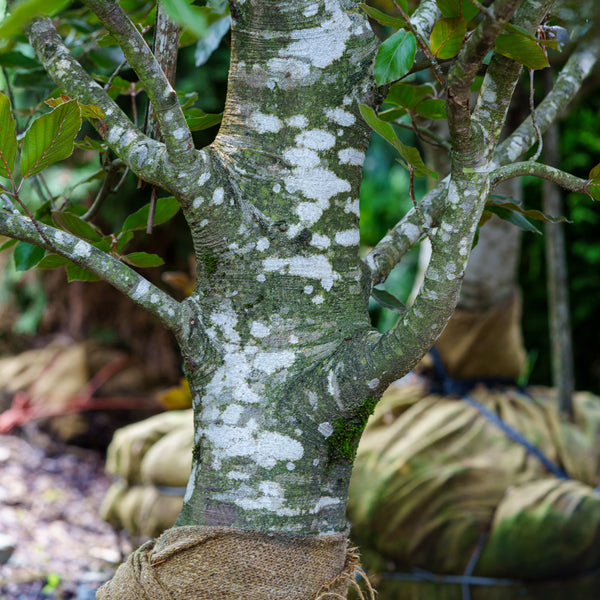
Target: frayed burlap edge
348	577
205	563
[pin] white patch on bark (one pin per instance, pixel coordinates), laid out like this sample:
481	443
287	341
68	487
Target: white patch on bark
262	244
350	237
450	271
320	241
226	322
197	202
259	330
311	10
323	502
218	196
203	178
115	134
277	188
313	399
293	339
265	448
264	123
302	157
453	197
333	388
320	46
298	69
141	289
82	249
238	476
340	116
231	415
311	267
290	466
308	289
299	121
351	156
352	206
261	278
325	429
373	383
316	139
316	184
270	362
318	299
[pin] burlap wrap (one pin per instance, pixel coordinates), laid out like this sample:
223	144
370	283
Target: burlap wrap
221	563
487	343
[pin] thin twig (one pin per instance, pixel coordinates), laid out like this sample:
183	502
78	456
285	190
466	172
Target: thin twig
106	189
411	192
437	71
533	118
114	75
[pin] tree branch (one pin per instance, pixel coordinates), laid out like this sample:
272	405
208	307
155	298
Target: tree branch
405	234
174	128
576	69
110	269
535	169
501	79
146	157
463	72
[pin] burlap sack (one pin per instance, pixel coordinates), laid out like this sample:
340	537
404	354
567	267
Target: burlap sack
130	444
168	462
430	478
219	563
142	510
484	344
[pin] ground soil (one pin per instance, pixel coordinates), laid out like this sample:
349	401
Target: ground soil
50	496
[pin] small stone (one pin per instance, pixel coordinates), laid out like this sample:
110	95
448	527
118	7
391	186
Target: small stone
7	547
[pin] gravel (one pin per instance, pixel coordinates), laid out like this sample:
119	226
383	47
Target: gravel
53	544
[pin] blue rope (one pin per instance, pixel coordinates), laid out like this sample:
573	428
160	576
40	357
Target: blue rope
444	384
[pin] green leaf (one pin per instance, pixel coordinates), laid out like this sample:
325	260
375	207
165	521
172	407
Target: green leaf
53	261
89	144
77	273
8	138
593	189
166	208
410	155
449	8
197	119
50	138
387	300
383	18
392	114
432	109
523	48
87	111
188	16
536	215
447	36
143	259
77	226
17	61
8	244
27	256
408	95
124	239
594	172
395	57
22	12
512	217
457	8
